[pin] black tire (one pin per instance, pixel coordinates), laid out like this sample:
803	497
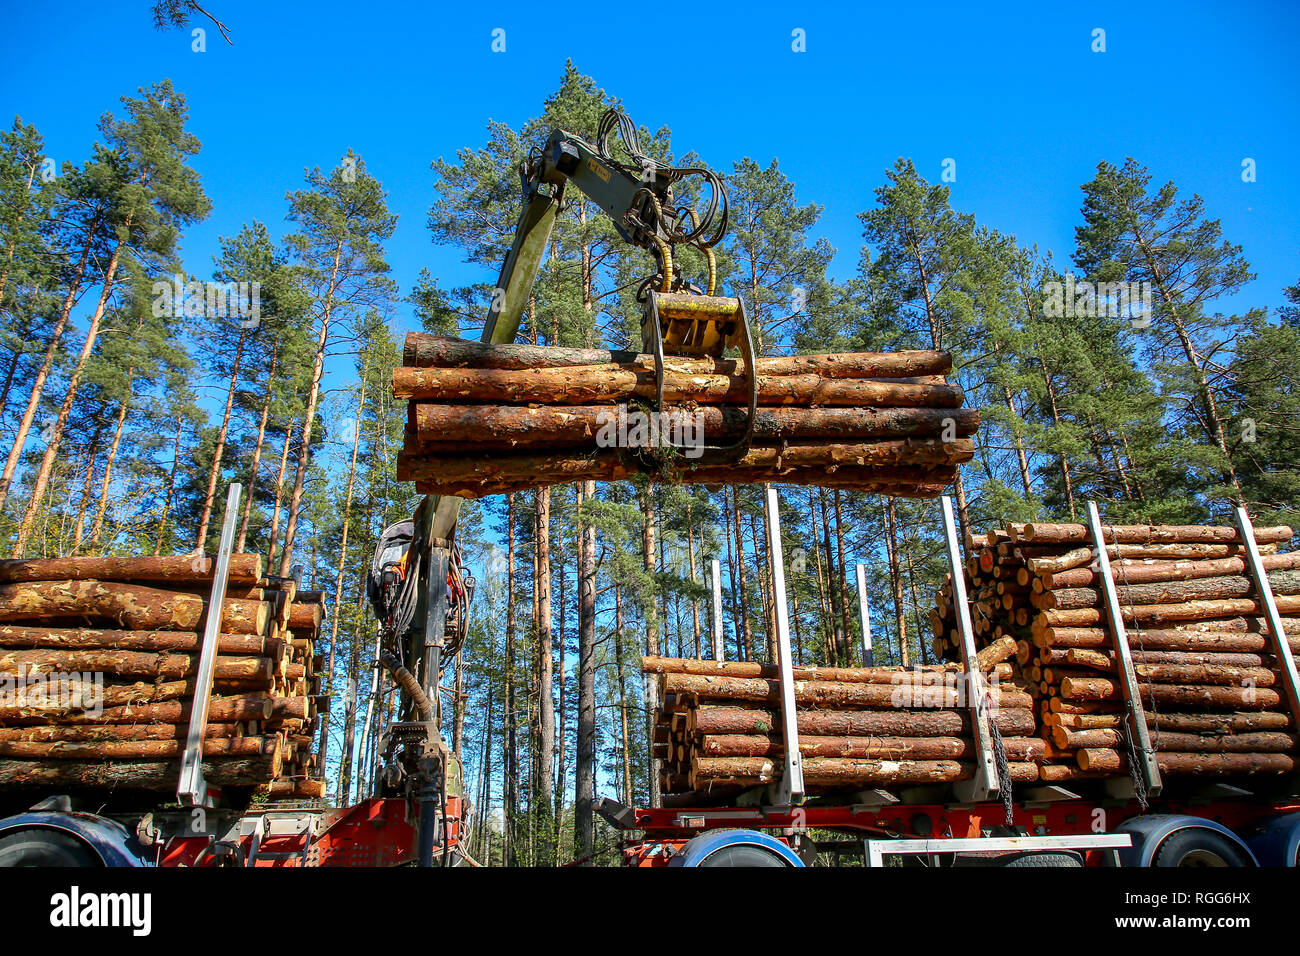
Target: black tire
1196	847
1058	860
742	855
38	846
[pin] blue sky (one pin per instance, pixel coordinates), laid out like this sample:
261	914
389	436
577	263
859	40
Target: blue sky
1016	97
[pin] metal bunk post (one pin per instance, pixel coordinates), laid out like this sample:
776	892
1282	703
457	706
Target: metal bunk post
985	783
192	790
868	658
719	646
1148	771
1280	645
788	791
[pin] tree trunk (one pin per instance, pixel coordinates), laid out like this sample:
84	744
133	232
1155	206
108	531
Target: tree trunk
746	635
585	771
650	613
313	396
215	471
279	492
511	761
102	506
255	467
43	373
896	579
171	486
36	499
546	676
343	557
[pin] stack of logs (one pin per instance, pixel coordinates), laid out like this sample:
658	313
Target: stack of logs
491	419
98	658
717	731
1207	678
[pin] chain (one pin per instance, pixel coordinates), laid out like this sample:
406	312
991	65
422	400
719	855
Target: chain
1004	770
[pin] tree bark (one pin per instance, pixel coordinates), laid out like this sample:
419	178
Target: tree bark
37	496
585	770
309	417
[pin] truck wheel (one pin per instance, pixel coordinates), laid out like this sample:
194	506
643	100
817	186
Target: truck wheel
743	856
1196	847
37	846
1058	860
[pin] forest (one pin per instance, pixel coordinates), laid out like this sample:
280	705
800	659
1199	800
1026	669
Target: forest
133	390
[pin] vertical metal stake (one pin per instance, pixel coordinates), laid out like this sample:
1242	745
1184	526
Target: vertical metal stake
1281	646
1137	721
789	790
985	783
865	615
719	646
192	789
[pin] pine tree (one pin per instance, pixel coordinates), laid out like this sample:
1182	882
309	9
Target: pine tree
1136	235
343	221
154	193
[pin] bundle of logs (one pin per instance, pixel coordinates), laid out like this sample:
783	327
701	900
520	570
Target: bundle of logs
98	662
718	729
490	419
1207	678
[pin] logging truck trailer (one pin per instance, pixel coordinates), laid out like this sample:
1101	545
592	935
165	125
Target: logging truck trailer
415	814
1052	828
373	832
1132	820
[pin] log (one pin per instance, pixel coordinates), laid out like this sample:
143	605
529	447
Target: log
1209	696
244	569
1169	592
1105	660
170	711
294	789
1011	722
133	749
995	653
547	426
1156	614
305	615
610	464
95	732
1143	534
902	460
130	605
873	748
1170	741
1149	570
140	692
130	664
1112	761
651	664
422	349
1186	673
86	638
1162	640
901	481
1237	723
1051	560
842	772
831	694
611	384
129	774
